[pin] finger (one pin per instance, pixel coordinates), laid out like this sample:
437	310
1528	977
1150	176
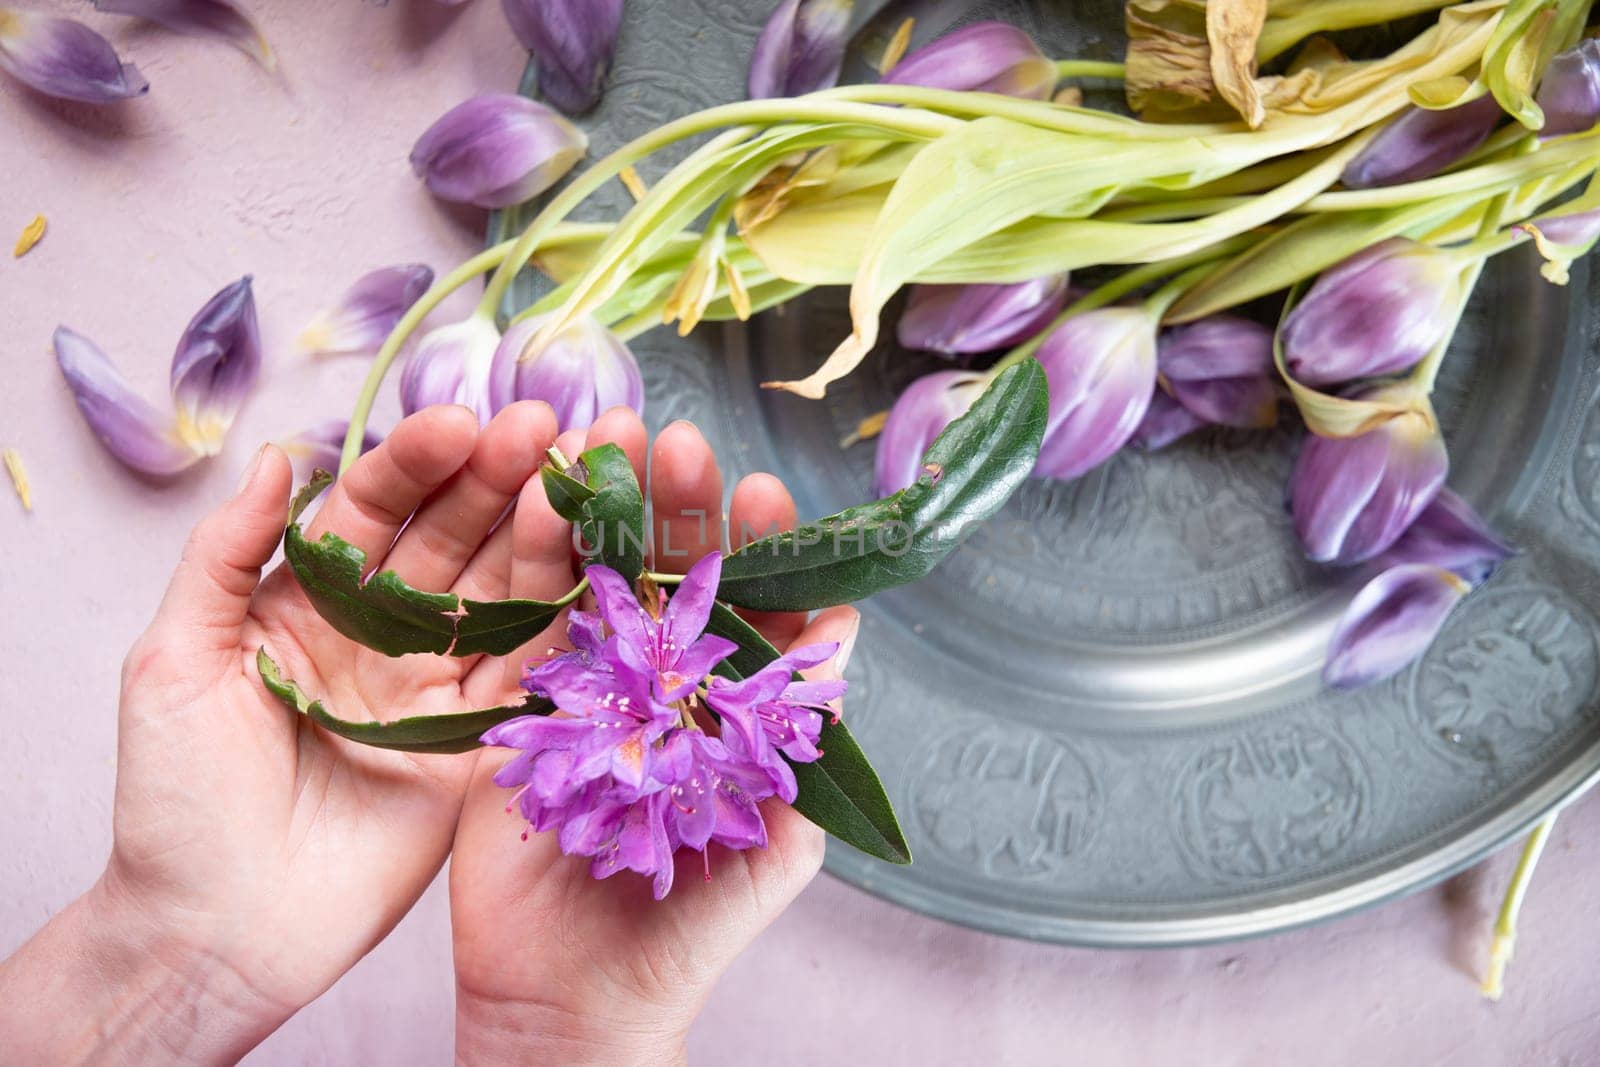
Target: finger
762	506
541	569
685	498
450	528
374	498
209	595
621	426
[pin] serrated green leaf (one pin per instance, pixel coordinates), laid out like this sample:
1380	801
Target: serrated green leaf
601	494
418	733
388	615
320	480
840	791
973	468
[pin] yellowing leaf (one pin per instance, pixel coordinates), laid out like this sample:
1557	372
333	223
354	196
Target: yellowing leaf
895	50
1232	28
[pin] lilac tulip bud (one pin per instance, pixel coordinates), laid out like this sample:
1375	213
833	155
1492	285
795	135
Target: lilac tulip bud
1450	534
495	150
801	48
367	312
126	424
451	366
1101	369
1221	369
1569	93
223	19
582	372
918	416
320	447
1352	497
64	58
964	319
985	57
1164	422
1421	143
1391	621
1378	312
216	366
573	42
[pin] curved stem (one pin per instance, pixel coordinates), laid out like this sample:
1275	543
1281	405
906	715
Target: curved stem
403	329
1089	68
1505	924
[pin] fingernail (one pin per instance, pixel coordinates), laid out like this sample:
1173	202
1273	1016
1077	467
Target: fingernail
252	470
847	645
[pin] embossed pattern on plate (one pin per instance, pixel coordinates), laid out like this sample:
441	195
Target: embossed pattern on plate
1100	720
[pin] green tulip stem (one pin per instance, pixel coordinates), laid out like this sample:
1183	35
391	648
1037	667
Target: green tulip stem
1505	924
1088	68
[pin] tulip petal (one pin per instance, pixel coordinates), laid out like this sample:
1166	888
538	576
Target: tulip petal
1101	370
216	366
918	416
1218	346
1421	143
206	18
800	49
985	57
1243	403
496	150
1450	534
320	447
582	372
964	319
1569	92
1164	422
65	58
1391	621
367	312
573	42
452	365
126	424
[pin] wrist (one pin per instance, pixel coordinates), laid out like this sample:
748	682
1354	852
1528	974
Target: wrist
498	1029
112	986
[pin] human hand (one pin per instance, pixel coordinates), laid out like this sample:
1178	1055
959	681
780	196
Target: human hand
551	964
256	857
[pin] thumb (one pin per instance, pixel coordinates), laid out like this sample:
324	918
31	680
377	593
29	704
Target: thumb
210	591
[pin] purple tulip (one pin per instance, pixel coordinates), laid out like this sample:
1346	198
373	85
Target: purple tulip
216	366
1391	621
1569	93
1221	369
1378	312
126	424
495	150
573	42
64	58
1579	229
451	365
801	48
367	312
1164	422
918	416
582	372
985	57
1101	370
1450	534
1421	143
207	18
1352	497
964	319
319	448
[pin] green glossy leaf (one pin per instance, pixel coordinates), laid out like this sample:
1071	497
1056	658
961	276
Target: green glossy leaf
840	792
971	470
388	615
601	494
419	733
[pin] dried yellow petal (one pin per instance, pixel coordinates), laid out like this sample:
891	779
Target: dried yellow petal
19	477
1070	96
866	429
1232	29
738	295
31	235
895	50
635	184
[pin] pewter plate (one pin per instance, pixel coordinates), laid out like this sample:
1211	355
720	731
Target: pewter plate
1100	720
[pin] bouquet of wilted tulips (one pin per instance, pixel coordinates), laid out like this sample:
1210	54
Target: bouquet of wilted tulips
1370	190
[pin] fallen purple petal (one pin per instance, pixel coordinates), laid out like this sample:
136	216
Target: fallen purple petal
61	57
496	150
207	18
573	42
126	424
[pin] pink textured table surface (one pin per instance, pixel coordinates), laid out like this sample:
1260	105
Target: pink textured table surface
301	180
